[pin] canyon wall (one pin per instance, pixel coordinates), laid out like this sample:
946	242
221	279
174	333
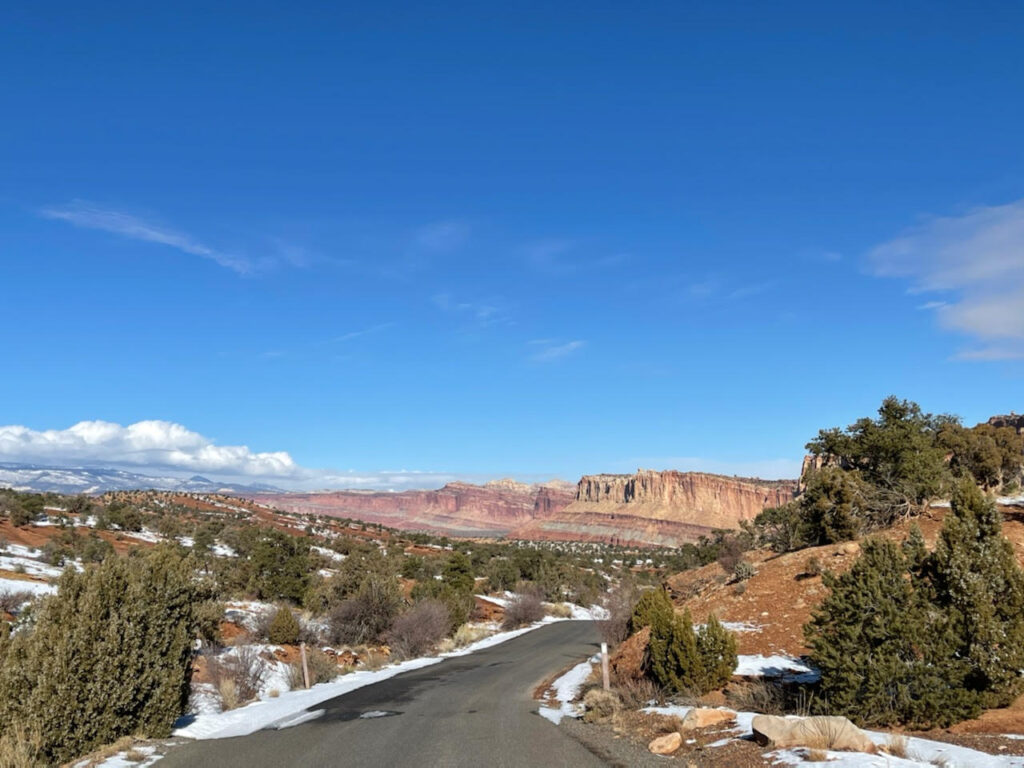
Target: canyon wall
658	508
645	509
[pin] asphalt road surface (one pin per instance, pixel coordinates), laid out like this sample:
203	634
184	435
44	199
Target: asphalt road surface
474	710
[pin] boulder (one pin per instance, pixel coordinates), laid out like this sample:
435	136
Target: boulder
836	733
667	744
627	663
705	717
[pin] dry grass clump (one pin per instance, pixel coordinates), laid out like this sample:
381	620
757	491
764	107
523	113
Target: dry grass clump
896	745
21	747
637	693
816	756
468	634
559	610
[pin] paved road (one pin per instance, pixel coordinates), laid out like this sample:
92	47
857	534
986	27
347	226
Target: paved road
473	710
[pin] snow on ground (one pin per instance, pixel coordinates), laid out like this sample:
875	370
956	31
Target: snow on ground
30	566
20	585
776	666
567	688
330	553
921	753
151	536
502	601
1011	501
247	613
741	626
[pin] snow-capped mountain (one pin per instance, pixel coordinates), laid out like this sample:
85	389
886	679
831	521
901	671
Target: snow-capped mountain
72	480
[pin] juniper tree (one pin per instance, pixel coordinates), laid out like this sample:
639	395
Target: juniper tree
109	655
716	647
980	586
869	638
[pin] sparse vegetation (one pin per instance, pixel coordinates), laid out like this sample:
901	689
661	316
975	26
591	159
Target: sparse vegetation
524	608
925	639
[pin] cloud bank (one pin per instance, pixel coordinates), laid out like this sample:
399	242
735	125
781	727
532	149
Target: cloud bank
165	447
976	263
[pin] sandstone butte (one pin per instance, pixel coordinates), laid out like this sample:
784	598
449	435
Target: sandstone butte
648	508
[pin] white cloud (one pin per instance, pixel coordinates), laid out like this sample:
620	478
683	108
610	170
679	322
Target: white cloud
550	350
89	216
978	260
156	444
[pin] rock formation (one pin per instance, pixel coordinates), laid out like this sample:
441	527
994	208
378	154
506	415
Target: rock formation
646	509
658	508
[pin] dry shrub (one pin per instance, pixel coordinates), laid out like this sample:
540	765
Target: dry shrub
322	669
238	676
619	603
135	756
637	693
559	610
12	600
523	609
21	747
468	634
600	704
760	696
419	629
447	645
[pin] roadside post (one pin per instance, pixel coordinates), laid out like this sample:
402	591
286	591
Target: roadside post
604	666
305	664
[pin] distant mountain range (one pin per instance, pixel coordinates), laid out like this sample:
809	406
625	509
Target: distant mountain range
72	480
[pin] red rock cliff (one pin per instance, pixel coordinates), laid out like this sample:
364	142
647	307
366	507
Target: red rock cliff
659	508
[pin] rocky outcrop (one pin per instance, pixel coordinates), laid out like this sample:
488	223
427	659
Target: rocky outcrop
658	508
1011	419
458	509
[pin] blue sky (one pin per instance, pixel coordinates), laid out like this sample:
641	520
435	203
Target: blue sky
469	240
